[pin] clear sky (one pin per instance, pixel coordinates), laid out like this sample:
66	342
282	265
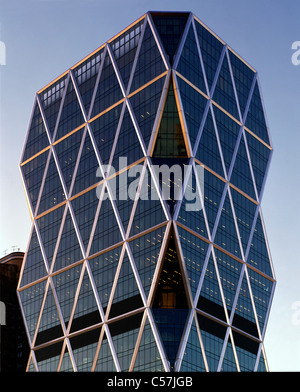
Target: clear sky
43	38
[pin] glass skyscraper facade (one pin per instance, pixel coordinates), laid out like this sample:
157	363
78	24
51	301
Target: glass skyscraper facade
144	167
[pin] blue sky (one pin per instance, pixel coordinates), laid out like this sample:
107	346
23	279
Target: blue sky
43	38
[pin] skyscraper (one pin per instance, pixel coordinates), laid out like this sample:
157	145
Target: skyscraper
144	167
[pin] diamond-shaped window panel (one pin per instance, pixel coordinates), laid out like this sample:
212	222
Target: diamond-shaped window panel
33	172
208	151
241	175
211	49
86	311
71	115
37	137
255	120
189	65
194	105
224	92
124	50
86	75
51	101
108	90
52	193
149	63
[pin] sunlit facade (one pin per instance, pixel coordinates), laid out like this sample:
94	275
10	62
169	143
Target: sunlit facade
182	282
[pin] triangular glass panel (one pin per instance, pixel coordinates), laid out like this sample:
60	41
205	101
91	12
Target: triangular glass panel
258	255
149	211
65	285
170	305
194	253
213	192
124	50
31	366
105	362
86	75
228	131
37	138
126	296
87	173
255	120
193	104
229	362
31	300
210	298
148	358
189	64
33	172
246	350
192	360
213	336
191	209
170	140
108	89
67	152
149	63
50	327
104	269
170	29
241	174
128	146
66	364
104	129
145	251
226	234
84	347
262	364
107	232
34	267
86	310
261	288
208	151
69	250
85	207
51	100
229	272
48	357
243	77
244	318
211	49
71	115
124	335
145	105
224	92
53	192
49	225
245	212
259	156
